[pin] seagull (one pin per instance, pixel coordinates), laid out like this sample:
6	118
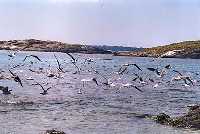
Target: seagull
30	78
16	78
125	67
168	66
156	85
44	91
87	80
12	55
90	79
18	65
74	62
152	69
182	77
177	72
5	90
36	71
59	65
73	59
151	80
131	85
97	72
160	73
140	79
34	56
89	60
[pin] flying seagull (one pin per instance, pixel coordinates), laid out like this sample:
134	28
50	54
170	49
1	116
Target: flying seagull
90	79
73	59
168	66
160	73
182	77
124	67
12	55
131	85
74	62
87	80
97	72
59	65
16	78
34	56
44	90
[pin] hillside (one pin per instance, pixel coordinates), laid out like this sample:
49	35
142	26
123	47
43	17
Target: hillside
186	49
48	46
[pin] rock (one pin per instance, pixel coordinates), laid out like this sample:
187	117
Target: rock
53	131
162	118
171	54
189	120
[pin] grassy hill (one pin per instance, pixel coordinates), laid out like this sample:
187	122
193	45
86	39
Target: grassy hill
186	46
187	49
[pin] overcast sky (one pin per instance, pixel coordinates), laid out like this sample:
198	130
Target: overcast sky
113	22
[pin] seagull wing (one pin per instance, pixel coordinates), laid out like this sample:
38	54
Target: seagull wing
48	88
95	80
151	80
17	79
74	60
168	66
190	80
122	70
137	67
12	73
135	79
59	65
137	88
140	78
177	72
36	57
26	58
151	69
40	86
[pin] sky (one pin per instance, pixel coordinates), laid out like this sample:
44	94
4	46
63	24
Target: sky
136	23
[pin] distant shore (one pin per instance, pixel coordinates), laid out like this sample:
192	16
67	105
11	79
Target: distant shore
49	46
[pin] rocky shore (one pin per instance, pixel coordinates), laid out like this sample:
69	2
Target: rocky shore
49	46
189	120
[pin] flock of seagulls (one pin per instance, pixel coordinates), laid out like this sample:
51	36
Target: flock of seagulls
137	82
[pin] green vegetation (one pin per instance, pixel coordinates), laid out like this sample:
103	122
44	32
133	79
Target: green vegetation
187	46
